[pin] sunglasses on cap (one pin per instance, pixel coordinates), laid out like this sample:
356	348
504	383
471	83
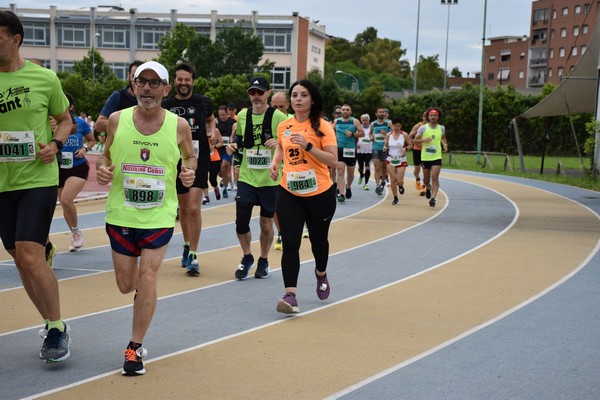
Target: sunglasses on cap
253	92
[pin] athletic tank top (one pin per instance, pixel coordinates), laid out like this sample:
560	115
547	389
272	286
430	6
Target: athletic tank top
143	193
433	150
379	133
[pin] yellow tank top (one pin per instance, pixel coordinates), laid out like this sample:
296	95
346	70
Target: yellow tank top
143	193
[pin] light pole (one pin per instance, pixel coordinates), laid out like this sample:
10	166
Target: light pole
355	87
417	49
94	45
449	2
481	82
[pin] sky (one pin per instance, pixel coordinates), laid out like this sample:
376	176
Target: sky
461	24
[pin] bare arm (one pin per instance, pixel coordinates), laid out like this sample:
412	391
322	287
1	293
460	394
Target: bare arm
101	124
360	132
104	165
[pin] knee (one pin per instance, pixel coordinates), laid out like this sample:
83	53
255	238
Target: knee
242	218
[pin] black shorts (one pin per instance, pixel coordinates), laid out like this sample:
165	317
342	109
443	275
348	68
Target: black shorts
429	164
417	157
349	161
131	241
265	197
201	180
81	171
27	215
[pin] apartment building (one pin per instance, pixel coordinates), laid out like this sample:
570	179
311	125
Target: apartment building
58	37
560	32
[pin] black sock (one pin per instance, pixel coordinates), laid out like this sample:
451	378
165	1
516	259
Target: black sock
367	175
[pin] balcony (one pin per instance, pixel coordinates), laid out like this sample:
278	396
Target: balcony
538	62
537	81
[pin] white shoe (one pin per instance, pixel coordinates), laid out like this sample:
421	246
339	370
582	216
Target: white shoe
76	240
305	233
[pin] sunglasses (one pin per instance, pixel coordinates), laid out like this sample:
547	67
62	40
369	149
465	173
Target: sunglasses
154	83
337	113
253	92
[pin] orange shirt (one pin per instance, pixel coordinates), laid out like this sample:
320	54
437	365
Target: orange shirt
304	175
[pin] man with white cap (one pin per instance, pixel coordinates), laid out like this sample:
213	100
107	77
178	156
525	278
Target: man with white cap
143	147
256	139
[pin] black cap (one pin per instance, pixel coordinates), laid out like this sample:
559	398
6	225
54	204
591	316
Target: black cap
231	106
259	83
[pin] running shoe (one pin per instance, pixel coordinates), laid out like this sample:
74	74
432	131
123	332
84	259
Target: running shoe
278	243
217	193
225	194
206	201
246	264
341	198
418	185
305	233
133	364
428	193
50	253
348	193
262	269
192	267
395	202
288	304
360	180
366	187
432	202
323	287
185	256
378	191
76	240
43	334
401	189
57	345
422	192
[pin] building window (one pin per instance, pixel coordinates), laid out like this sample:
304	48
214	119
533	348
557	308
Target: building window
491	76
549	72
36	34
583	49
561	52
575	31
560	72
315	49
65	66
522	55
70	35
492	59
113	36
148	37
552	34
585	29
280	77
276	40
521	74
554	14
119	68
551	53
574	51
540	15
577	9
586	8
563	32
503	74
504	56
565	12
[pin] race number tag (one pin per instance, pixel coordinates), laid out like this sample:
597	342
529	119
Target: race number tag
365	140
66	161
302	182
431	149
396	161
225	140
258	159
17	146
349	153
143	192
380	137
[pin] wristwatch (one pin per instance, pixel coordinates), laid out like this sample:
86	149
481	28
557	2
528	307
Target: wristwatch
309	147
58	143
85	146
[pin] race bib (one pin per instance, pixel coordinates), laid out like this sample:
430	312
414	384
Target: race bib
349	153
143	193
431	149
225	140
396	161
66	161
379	137
258	159
302	182
365	140
17	146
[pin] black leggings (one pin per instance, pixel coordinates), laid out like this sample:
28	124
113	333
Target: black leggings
292	211
213	172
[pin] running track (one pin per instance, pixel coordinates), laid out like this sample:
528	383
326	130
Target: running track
491	295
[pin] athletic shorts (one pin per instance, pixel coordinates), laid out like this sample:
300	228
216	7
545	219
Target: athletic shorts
27	215
364	158
417	157
81	171
201	180
227	157
429	164
380	155
131	241
349	161
265	197
402	164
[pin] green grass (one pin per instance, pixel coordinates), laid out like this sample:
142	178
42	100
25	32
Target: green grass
571	171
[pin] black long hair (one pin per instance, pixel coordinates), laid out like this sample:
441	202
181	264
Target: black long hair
316	109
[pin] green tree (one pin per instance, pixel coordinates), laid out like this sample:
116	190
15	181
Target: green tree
430	74
175	46
92	67
455	73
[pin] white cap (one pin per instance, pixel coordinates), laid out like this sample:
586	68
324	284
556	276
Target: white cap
153	66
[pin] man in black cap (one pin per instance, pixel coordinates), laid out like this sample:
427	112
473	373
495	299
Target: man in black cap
256	139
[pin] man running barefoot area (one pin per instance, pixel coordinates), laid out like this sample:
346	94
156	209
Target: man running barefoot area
396	143
432	138
347	131
256	137
143	146
29	177
379	130
307	145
